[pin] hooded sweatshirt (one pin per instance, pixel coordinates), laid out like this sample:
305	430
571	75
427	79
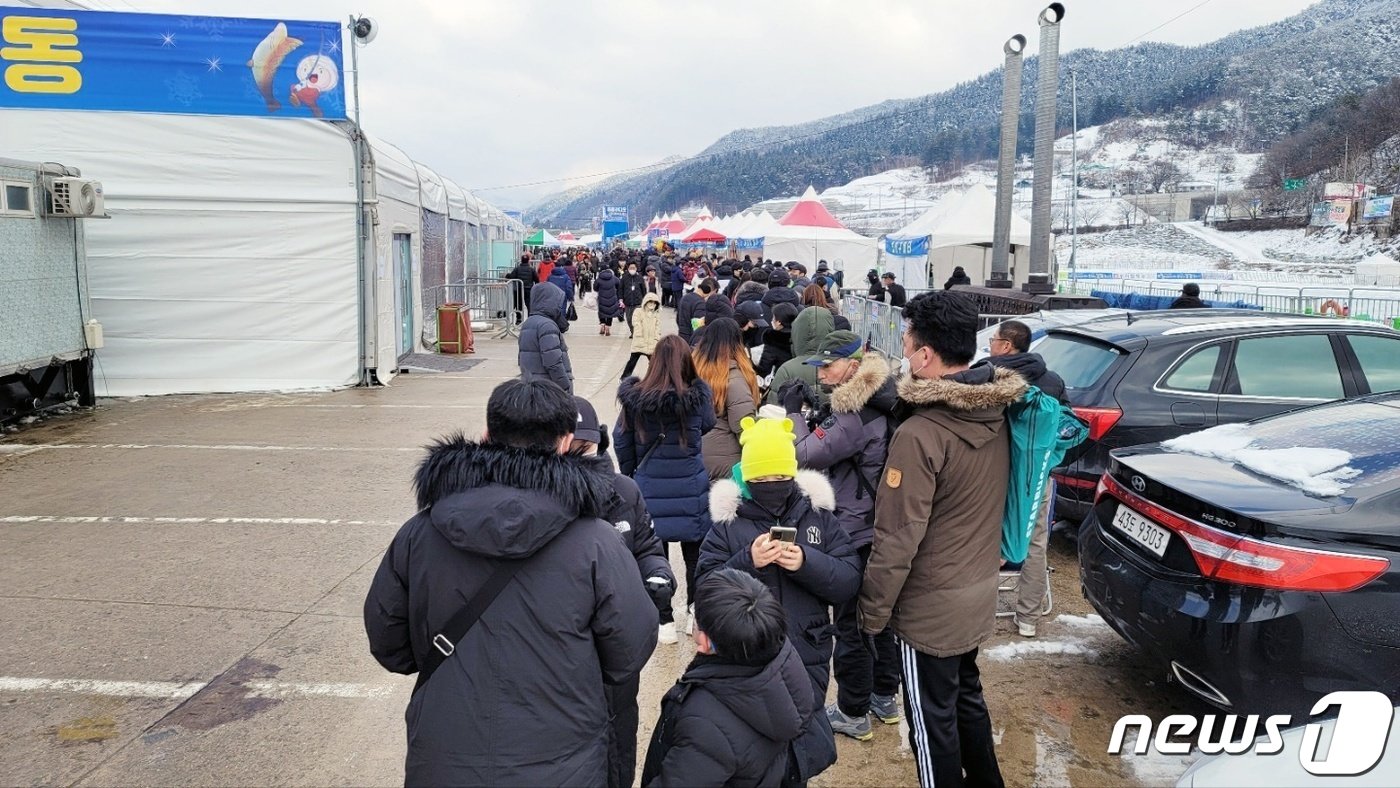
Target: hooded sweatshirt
521	699
646	325
1032	367
932	574
543	352
727	723
779	291
808	330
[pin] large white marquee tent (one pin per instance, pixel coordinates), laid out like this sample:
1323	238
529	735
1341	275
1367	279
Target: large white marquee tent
809	233
955	231
232	262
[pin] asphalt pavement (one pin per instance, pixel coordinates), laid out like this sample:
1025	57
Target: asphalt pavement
183	578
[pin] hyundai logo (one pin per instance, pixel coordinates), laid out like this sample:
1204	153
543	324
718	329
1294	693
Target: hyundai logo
1139	484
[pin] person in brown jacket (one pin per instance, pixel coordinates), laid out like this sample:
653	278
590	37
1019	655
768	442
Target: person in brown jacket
932	575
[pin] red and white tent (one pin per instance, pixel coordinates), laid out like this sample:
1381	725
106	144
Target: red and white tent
673	225
809	233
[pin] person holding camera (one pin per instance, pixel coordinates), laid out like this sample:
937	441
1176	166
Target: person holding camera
779	524
627	512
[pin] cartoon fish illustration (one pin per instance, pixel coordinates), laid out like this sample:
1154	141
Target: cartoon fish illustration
267	58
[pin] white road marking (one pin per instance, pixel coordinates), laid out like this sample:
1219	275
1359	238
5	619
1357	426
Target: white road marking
213	447
175	690
81	519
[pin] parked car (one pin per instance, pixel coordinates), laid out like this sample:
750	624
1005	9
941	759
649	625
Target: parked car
1144	377
1041	322
1260	597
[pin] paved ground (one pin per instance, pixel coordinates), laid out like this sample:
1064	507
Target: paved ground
182	580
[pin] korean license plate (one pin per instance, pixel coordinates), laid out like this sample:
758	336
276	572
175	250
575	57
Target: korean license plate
1141	530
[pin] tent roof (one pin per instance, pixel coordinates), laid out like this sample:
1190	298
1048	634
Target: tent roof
809	212
542	238
757	227
703	235
963	219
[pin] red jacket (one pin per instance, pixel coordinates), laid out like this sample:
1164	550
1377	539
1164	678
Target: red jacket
546	268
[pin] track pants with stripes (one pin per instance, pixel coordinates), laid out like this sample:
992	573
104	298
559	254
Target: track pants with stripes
949	727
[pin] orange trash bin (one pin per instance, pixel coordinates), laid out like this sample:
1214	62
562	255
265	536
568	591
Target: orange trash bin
455	330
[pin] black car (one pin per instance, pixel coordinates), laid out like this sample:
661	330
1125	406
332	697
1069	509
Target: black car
1144	377
1260	597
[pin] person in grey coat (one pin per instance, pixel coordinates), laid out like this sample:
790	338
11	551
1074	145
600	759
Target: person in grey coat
849	440
543	353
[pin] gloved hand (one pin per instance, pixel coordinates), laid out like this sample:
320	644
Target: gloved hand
792	395
660	589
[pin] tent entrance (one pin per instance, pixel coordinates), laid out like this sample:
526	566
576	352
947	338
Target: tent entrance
403	290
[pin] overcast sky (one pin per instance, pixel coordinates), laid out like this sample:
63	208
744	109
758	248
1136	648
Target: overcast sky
493	93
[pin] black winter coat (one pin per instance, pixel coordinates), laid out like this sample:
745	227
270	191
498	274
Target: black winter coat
608	294
897	295
750	291
779	295
689	308
714	308
1188	302
521	700
627	511
634	288
830	575
777	351
525	275
560	278
542	351
725	723
1032	367
673	480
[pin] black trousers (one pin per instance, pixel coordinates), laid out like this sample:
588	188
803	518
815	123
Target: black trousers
690	551
630	311
666	614
632	363
949	727
864	665
622	732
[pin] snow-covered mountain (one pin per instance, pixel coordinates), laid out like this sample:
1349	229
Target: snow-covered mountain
1279	77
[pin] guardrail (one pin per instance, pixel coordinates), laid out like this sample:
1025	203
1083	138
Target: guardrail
1362	303
497	302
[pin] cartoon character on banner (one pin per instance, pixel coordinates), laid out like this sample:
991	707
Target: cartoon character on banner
315	75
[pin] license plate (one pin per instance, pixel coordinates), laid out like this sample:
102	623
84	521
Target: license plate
1141	530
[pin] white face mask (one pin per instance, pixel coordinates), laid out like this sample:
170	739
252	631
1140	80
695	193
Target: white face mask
904	367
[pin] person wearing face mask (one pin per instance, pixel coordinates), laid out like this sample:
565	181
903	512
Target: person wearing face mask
932	575
849	440
778	524
633	288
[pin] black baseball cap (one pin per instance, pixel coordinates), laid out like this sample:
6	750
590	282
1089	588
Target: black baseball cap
752	311
587	428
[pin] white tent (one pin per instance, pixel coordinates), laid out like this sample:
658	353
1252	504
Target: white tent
955	231
808	233
230	262
751	235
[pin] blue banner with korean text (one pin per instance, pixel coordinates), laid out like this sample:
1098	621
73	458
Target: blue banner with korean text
195	65
907	247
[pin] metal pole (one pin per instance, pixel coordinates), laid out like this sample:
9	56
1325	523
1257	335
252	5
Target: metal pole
1074	169
1047	86
355	65
1006	162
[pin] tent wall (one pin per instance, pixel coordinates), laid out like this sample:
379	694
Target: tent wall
229	263
396	213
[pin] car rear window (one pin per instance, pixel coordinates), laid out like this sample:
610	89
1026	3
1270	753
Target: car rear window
1380	360
1080	362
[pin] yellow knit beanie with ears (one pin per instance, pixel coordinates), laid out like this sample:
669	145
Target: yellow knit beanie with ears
769	448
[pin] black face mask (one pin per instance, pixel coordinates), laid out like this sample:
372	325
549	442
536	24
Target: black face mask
772	496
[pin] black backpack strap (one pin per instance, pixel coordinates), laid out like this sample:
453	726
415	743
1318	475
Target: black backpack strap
647	455
445	641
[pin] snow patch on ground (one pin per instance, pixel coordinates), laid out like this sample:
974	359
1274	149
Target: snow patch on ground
1315	471
1020	649
1154	768
1093	621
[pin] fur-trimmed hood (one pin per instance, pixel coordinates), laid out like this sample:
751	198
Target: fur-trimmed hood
979	388
872	378
726	497
474	491
663	405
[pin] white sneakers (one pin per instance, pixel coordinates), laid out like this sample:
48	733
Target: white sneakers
1026	628
667	633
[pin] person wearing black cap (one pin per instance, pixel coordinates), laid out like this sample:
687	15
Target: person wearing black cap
779	291
750	318
627	512
1190	298
896	292
877	290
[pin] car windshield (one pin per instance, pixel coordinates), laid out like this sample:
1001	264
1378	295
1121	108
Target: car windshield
1080	362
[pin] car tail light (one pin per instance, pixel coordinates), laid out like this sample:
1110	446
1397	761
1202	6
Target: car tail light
1244	560
1067	480
1100	420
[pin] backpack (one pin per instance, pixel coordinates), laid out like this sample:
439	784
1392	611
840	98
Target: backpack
1042	431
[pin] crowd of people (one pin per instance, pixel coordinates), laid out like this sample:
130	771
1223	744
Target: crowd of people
837	513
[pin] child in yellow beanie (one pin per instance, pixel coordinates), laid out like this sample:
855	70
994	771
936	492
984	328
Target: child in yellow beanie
778	524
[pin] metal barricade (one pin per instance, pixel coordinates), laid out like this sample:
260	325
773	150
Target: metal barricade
1361	303
497	302
881	325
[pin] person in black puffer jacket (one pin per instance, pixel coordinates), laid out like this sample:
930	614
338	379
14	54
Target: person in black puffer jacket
716	306
633	288
692	305
543	354
819	570
608	297
731	718
777	341
521	699
525	275
779	293
754	289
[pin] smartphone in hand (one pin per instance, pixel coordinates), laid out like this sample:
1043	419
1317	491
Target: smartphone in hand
783	533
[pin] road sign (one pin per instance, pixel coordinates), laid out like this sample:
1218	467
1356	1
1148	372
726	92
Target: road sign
1294	184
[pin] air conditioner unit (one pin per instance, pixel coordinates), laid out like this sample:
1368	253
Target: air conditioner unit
77	197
